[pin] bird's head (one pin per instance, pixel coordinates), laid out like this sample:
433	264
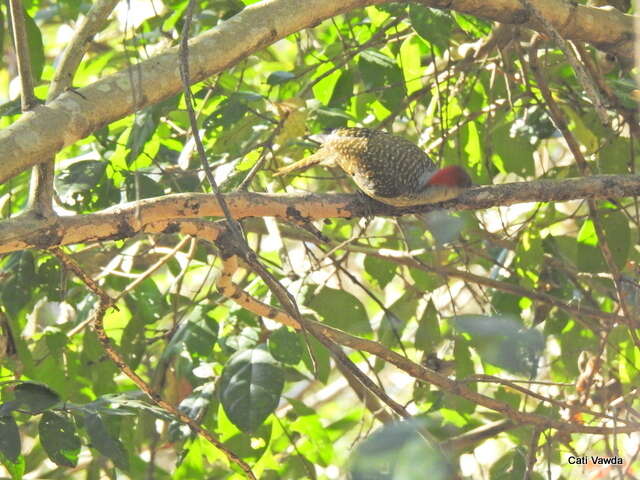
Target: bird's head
453	176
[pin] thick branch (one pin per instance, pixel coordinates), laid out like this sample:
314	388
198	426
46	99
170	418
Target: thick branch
71	116
122	221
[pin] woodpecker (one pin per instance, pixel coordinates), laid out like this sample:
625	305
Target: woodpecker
387	168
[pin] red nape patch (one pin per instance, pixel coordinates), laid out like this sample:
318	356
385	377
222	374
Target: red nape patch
453	176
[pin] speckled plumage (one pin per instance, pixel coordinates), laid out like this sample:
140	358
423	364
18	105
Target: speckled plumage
385	167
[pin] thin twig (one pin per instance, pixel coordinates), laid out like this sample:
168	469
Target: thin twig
581	72
531	454
231	291
41	188
94	21
574	147
105	302
430	376
21	44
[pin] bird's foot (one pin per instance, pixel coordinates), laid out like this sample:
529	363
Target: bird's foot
366	204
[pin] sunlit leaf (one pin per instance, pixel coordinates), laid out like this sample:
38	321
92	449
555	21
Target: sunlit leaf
342	310
285	346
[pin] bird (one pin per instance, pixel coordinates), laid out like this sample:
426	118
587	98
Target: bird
387	167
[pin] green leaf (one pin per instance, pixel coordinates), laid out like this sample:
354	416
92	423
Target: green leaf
462	357
396	318
432	25
51	274
319	448
381	271
618	234
104	442
375	67
398	451
534	124
36	48
139	186
17	290
35	396
16	469
613	158
9	439
510	398
59	439
279	77
12	107
381	74
78	178
502	341
428	333
444	226
332	117
285	346
343	90
248	338
228	113
616	231
147	302
250	388
143	128
342	310
320	365
505	302
587	234
197	334
323	88
626	90
472	25
250	447
511	465
202	335
514	151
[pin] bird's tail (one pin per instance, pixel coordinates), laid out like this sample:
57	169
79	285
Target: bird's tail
303	164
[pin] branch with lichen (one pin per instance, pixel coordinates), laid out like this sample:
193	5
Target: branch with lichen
125	220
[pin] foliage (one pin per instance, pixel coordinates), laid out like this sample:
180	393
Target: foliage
497	292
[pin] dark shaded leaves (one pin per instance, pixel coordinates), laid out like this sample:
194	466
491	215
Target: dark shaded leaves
36	397
250	388
398	451
59	439
9	438
104	442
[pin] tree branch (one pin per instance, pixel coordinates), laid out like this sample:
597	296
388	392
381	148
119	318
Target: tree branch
420	372
97	320
125	220
21	45
71	117
41	190
93	22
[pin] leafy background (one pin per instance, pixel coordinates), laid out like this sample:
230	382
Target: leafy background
470	294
